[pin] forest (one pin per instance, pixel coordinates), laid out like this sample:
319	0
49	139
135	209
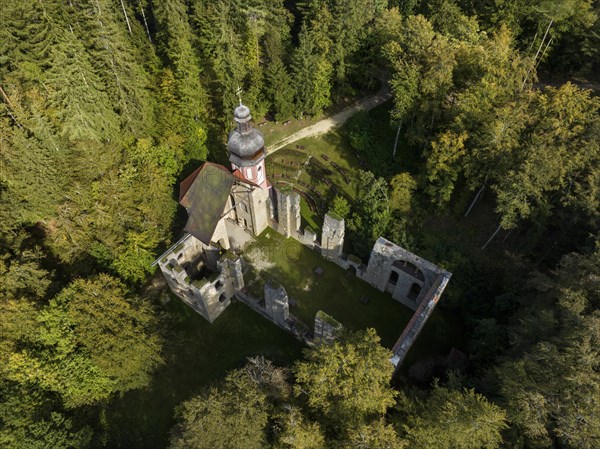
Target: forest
490	167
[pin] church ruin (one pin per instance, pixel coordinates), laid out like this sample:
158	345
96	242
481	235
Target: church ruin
228	208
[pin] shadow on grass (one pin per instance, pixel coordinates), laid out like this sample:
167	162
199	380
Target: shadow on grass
196	354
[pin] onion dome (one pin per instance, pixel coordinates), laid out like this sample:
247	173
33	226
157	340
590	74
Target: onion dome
246	144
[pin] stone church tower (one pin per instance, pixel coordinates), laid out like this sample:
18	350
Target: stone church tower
250	204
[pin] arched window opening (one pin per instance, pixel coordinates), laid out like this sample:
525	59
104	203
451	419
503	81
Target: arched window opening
414	292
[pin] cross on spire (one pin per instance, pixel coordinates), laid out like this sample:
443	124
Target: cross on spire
238	92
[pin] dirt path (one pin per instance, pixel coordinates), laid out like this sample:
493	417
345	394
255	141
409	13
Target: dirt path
327	124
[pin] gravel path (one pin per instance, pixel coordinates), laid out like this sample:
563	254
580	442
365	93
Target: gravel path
327	124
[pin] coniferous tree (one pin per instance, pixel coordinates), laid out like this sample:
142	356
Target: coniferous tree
177	44
121	59
77	96
278	86
311	73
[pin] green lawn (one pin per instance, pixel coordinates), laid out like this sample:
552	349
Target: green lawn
324	179
196	353
335	146
310	218
338	292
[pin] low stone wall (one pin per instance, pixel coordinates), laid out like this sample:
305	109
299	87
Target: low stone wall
327	329
289	325
307	238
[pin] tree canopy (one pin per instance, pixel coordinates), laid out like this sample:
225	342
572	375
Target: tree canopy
105	106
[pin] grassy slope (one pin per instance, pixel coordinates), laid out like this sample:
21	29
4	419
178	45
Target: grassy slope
335	146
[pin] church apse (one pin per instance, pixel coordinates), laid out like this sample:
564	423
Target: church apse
396	270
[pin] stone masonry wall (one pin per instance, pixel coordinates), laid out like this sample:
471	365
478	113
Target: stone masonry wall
326	328
387	258
413	281
209	296
332	237
288	211
276	302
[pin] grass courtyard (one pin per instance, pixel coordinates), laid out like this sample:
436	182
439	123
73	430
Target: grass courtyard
337	292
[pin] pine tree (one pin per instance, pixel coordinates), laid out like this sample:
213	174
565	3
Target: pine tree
311	75
77	96
278	86
120	58
176	41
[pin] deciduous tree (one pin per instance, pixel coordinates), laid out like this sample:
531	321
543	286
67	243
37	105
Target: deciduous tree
234	416
93	340
347	381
